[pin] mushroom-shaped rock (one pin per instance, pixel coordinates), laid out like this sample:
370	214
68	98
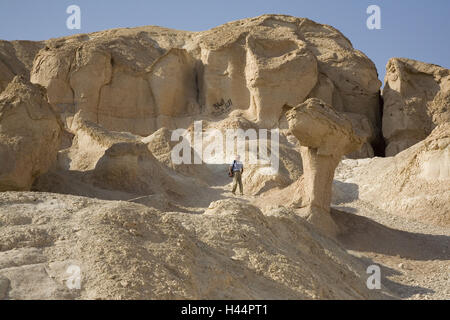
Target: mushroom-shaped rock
325	136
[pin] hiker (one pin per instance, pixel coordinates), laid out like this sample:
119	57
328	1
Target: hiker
236	169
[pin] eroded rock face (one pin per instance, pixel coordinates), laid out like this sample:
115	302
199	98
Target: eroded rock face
29	135
412	184
325	136
16	58
416	100
274	68
139	80
115	161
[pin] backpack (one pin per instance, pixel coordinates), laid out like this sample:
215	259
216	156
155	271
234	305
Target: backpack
231	174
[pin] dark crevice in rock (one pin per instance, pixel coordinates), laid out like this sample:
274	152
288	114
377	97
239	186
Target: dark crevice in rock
379	144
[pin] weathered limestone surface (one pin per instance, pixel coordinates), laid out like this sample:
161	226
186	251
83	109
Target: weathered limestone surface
143	79
30	135
416	100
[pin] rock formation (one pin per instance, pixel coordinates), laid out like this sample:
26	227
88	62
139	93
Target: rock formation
416	99
412	184
111	161
16	58
124	80
325	136
91	136
30	135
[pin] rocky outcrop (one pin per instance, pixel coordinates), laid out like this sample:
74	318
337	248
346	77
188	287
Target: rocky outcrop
139	80
16	58
274	68
325	136
111	161
30	135
416	99
413	184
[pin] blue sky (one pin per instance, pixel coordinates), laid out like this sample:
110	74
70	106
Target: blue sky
415	29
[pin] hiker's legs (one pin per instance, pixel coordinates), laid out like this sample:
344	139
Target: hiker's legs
235	182
240	183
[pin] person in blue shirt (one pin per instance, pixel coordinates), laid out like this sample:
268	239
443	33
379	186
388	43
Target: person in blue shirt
236	170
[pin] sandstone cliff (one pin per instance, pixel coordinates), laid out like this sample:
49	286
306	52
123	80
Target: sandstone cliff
142	79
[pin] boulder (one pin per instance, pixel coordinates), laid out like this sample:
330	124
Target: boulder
30	135
116	161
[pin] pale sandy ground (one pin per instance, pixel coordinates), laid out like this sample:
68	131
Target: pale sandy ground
124	250
414	257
